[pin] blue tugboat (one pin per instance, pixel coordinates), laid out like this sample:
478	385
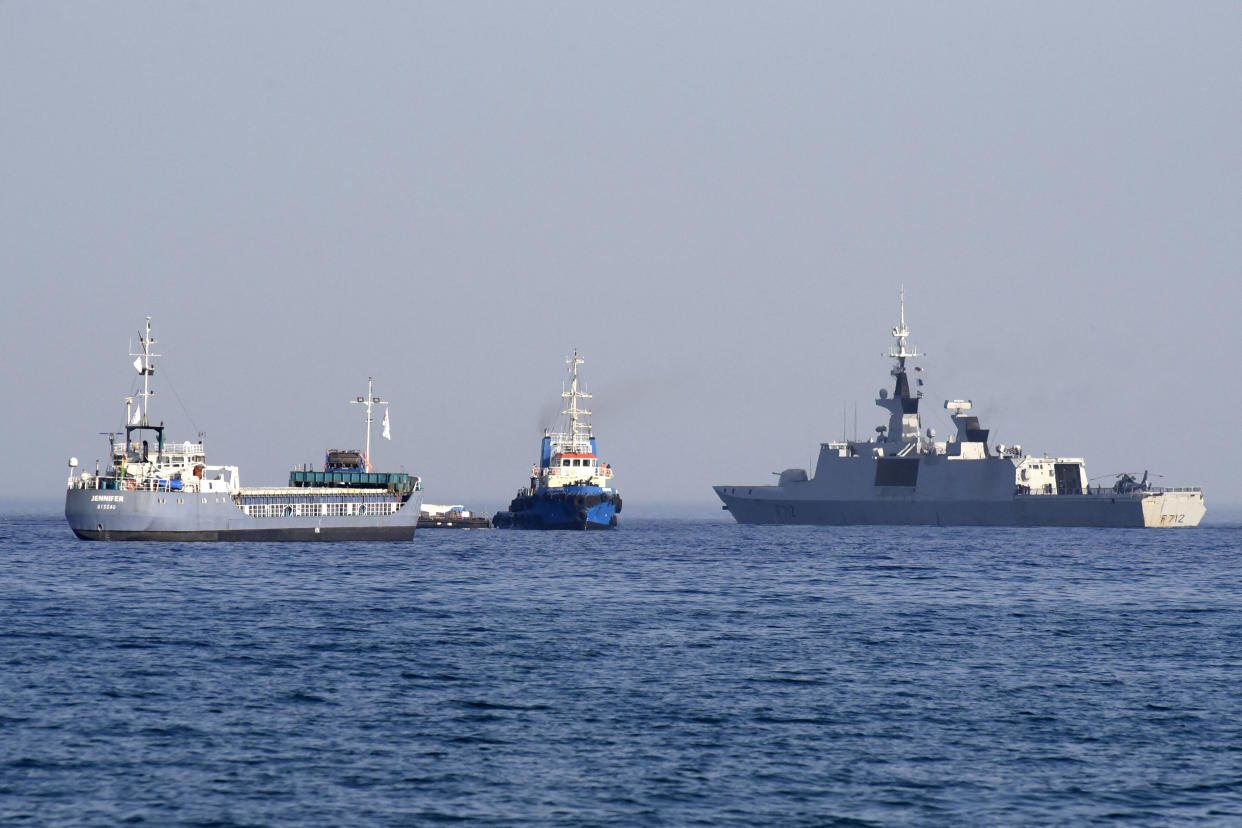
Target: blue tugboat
570	488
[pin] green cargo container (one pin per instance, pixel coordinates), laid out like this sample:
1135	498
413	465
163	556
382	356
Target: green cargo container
397	482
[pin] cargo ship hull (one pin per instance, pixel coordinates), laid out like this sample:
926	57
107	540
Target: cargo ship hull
120	515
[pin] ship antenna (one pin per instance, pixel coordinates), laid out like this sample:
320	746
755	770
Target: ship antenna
899	352
574	412
903	421
368	401
144	367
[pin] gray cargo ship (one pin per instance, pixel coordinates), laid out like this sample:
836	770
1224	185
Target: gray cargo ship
153	489
906	476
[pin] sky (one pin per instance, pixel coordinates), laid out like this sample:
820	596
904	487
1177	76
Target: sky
716	203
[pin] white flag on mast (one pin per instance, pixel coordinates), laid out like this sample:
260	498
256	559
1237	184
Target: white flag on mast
387	433
136	417
138	364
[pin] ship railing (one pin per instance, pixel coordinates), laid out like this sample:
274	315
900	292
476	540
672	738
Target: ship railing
1107	491
598	470
286	509
1150	490
127	484
134	450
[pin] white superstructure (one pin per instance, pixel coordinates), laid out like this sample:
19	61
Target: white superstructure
568	457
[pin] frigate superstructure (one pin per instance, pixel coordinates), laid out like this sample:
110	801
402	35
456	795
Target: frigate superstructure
153	488
904	475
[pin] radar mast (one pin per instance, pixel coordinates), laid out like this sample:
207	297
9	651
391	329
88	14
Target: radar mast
579	432
903	407
144	367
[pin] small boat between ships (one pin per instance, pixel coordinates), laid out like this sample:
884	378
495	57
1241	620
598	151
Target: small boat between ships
444	516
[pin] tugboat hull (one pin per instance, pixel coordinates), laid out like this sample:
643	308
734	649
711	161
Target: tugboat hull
577	510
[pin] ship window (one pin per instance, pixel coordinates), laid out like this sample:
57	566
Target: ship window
565	462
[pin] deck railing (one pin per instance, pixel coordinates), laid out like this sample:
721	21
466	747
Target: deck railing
1107	491
127	484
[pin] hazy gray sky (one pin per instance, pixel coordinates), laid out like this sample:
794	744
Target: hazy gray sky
716	202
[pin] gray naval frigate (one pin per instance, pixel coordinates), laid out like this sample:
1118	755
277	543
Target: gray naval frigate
155	489
906	476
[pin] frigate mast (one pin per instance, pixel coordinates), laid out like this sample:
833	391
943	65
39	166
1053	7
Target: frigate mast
579	433
903	408
369	401
899	352
144	367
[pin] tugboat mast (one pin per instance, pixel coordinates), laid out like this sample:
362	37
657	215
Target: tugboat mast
369	400
579	433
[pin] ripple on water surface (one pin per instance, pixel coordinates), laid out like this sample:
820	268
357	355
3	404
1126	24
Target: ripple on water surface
670	672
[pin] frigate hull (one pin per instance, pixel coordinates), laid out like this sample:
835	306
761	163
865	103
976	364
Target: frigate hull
1145	509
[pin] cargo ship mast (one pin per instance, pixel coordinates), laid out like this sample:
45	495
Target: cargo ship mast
369	401
142	364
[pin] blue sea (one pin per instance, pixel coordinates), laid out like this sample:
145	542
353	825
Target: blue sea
674	672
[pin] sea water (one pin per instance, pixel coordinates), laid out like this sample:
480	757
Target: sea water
668	673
